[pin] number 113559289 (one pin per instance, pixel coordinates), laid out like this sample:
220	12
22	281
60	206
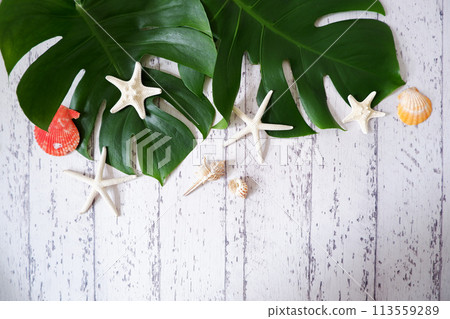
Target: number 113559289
405	310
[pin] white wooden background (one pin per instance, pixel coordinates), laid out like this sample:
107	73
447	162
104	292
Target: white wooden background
337	216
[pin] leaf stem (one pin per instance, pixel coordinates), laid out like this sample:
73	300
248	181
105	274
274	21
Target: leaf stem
92	26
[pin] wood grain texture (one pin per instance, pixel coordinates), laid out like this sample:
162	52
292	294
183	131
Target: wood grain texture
336	216
277	212
61	241
15	139
410	166
193	227
343	223
127	257
445	244
236	208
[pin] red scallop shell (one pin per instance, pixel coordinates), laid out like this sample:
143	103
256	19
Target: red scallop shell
62	136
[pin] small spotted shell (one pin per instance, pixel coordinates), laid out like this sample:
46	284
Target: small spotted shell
414	107
238	187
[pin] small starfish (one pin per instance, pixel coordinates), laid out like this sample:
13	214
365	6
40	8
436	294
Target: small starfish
362	112
255	125
133	92
99	184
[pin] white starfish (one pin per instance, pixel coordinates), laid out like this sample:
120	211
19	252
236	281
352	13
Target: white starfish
133	92
255	125
99	184
362	112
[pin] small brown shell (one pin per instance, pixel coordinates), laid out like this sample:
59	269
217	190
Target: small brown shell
238	187
414	107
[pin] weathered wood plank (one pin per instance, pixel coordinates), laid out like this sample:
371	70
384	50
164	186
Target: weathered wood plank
127	248
213	246
62	251
343	222
235	210
343	226
410	165
15	135
193	227
277	212
445	248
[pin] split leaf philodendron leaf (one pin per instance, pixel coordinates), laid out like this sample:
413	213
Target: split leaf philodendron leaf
105	37
162	141
358	55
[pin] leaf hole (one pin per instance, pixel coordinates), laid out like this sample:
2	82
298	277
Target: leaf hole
336	104
172	68
72	88
292	84
345	16
31	57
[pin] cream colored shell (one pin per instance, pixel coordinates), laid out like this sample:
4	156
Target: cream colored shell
414	107
238	187
208	172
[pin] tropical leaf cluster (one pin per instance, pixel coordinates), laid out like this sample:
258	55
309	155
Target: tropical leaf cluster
206	38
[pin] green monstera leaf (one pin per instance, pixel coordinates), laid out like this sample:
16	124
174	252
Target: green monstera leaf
105	37
358	55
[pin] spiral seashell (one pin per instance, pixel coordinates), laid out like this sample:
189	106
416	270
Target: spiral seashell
62	136
215	170
414	107
208	172
238	187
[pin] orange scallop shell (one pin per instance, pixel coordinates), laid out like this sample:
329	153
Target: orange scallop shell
62	136
414	107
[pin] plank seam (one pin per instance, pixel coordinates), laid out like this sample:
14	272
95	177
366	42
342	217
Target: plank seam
441	217
376	214
30	143
94	261
226	278
313	147
244	213
375	261
158	66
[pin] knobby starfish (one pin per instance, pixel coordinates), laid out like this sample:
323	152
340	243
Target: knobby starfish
362	112
99	184
134	93
255	125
